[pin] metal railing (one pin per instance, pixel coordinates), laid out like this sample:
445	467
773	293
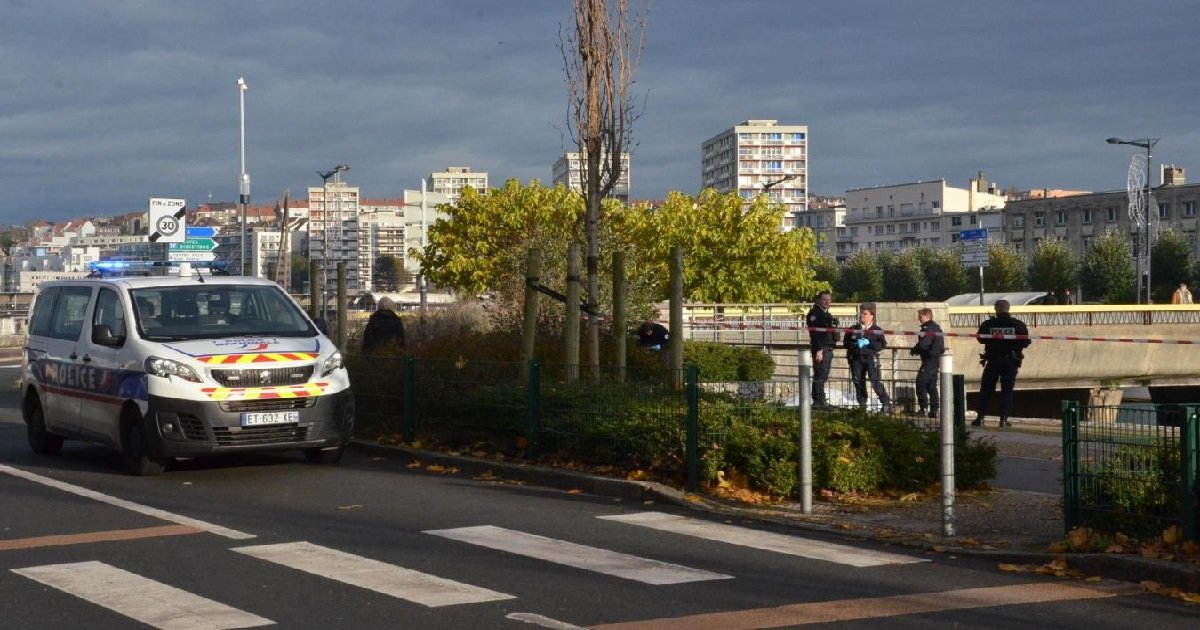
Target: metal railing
1130	468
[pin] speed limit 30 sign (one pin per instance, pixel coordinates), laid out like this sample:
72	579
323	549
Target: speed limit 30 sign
168	223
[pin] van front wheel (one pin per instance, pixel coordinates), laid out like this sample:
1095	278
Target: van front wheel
135	451
40	440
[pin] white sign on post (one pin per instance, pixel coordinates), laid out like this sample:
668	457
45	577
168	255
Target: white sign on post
168	220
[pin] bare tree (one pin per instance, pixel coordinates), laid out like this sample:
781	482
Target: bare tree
600	58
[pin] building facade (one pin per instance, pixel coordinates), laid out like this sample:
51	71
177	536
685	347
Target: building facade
903	216
454	179
333	231
757	157
571	168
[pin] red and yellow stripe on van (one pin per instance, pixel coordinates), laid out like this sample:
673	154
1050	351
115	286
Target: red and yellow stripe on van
264	357
265	393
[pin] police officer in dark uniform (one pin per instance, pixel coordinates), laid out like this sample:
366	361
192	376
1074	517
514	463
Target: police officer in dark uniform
930	346
821	344
1001	360
864	342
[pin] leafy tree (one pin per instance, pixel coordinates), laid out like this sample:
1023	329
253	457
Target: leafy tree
903	280
1107	273
1006	269
6	242
861	279
299	274
945	276
1171	264
826	270
1052	269
389	274
731	254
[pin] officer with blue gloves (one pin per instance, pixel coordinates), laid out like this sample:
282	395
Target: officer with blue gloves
863	343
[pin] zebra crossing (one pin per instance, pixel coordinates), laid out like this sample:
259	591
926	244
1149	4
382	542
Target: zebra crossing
169	607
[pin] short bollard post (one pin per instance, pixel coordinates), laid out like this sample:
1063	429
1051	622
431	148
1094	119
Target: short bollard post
805	398
946	365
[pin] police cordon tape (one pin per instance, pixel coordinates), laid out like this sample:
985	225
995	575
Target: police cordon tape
918	333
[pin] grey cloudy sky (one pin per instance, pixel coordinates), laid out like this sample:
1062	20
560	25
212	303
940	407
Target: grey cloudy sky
108	102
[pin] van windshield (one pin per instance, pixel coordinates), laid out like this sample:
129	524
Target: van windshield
206	312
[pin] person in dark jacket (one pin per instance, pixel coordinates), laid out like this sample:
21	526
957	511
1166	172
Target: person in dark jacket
863	342
653	336
1004	340
822	339
930	346
384	328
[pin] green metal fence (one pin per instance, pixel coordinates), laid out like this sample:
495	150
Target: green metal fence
1131	468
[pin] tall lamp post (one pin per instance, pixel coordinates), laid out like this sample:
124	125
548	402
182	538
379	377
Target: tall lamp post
1143	223
325	176
243	179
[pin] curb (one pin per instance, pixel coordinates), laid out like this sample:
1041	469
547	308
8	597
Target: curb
1124	567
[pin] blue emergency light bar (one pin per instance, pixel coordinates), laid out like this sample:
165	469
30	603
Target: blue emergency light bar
111	268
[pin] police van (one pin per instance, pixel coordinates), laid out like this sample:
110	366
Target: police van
178	366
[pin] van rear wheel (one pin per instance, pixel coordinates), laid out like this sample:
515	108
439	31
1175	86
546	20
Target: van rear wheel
40	440
135	451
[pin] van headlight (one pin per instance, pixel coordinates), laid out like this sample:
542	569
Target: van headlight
334	362
167	368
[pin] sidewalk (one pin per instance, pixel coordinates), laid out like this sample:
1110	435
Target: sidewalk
1014	521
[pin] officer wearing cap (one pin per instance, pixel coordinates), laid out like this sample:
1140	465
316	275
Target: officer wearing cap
822	339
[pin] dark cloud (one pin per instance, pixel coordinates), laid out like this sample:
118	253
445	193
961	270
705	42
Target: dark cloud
110	102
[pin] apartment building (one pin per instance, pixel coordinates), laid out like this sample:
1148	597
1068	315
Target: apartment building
454	179
571	168
333	230
902	216
760	157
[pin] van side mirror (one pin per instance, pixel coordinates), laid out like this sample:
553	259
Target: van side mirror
102	334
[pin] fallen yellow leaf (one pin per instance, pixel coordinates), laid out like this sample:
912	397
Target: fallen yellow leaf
1172	535
416	444
414	464
349	507
1095	578
435	468
574	491
1011	568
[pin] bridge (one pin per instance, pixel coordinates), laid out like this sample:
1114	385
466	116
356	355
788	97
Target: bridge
1087	353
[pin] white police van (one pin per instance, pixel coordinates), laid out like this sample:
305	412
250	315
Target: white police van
180	366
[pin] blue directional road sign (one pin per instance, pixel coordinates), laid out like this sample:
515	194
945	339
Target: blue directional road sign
974	247
201	232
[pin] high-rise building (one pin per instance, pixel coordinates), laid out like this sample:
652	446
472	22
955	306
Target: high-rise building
571	168
757	157
454	179
333	231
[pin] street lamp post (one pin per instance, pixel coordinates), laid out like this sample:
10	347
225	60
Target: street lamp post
1144	224
325	176
243	179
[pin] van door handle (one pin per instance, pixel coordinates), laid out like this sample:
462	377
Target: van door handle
87	358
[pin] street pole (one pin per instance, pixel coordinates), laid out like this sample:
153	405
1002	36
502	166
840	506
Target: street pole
1149	258
243	179
1143	239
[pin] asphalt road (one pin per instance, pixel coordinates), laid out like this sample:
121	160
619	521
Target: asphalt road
371	543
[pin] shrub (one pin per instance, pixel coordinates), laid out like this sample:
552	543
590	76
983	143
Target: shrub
719	362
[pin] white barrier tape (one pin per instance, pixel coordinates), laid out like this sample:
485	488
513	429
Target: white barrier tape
917	333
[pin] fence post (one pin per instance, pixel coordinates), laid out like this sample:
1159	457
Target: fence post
410	398
341	305
1187	459
533	409
1070	449
693	429
805	398
960	404
946	365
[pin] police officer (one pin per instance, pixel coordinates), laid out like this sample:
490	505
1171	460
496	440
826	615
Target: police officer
864	341
930	346
1002	358
822	339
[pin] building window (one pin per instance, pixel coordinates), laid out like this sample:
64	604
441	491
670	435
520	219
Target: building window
916	226
879	211
1164	211
1189	208
1089	215
937	204
1018	221
797	136
1112	215
891	229
1060	217
1039	218
773	166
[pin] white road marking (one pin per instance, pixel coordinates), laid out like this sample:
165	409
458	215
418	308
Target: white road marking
545	622
578	556
779	543
141	599
128	505
389	579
